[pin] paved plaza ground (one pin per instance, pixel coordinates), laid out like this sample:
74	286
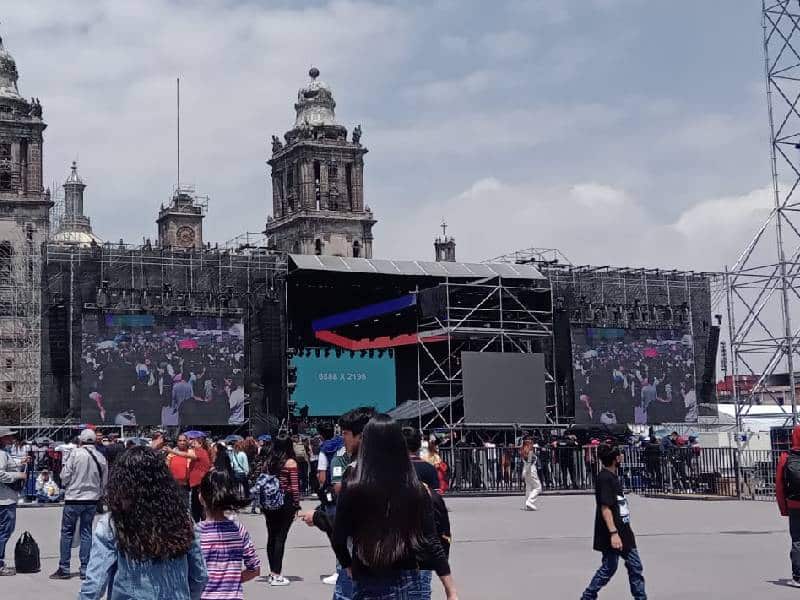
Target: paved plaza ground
690	549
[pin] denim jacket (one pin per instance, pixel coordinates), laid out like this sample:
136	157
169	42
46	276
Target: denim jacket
181	578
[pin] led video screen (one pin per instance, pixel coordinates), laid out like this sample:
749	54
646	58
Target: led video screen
640	376
330	385
503	388
162	370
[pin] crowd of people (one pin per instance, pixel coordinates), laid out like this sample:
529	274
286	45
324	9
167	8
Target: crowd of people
635	381
170	528
167	376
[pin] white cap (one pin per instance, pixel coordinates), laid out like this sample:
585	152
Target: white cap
88	436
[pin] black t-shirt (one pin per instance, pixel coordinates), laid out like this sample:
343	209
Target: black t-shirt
608	492
426	473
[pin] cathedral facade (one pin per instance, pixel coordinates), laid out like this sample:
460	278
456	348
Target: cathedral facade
318	182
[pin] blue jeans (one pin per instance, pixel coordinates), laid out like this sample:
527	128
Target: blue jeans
794	532
425	578
344	585
81	515
404	585
607	569
8	521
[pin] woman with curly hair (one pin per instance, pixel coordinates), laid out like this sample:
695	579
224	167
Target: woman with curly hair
144	547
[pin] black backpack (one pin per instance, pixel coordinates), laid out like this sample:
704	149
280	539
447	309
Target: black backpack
442	520
26	554
791	476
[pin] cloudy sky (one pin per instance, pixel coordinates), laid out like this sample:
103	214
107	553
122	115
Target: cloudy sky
628	132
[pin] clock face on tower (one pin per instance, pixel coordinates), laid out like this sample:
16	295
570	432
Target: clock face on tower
185	236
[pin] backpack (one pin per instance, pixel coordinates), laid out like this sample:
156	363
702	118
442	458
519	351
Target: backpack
791	476
268	491
442	522
26	554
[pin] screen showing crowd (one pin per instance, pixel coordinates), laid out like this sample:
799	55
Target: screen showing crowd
633	376
330	383
162	370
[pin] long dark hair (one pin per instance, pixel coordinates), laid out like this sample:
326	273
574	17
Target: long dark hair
389	500
222	460
282	450
218	492
147	508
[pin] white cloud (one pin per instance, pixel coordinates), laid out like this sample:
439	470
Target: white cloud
106	77
507	44
591	223
454	44
452	90
475	133
610	174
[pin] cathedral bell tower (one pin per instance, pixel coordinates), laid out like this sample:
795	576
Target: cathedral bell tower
21	128
318	182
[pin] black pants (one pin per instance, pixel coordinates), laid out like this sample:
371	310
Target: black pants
278	524
794	532
302	474
198	514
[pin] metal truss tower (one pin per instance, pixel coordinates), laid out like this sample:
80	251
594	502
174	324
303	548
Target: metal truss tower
763	299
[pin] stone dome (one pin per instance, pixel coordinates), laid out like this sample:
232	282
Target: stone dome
8	75
75	237
315	104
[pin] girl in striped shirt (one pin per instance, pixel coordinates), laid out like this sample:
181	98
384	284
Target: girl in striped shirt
231	558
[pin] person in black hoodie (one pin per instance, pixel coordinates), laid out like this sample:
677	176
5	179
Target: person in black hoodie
387	516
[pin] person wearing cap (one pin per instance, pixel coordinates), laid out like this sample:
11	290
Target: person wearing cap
9	474
84	478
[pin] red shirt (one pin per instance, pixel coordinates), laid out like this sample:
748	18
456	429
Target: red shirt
179	467
199	467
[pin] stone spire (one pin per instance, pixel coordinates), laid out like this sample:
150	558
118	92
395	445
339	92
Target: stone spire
76	228
445	247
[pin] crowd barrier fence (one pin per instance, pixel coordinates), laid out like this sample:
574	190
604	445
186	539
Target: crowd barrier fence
718	472
685	471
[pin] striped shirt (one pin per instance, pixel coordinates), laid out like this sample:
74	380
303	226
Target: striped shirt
226	545
290	484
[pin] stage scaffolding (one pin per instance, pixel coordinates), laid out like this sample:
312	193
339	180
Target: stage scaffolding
123	278
763	302
492	315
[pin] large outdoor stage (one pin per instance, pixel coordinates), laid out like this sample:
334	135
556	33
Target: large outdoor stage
145	336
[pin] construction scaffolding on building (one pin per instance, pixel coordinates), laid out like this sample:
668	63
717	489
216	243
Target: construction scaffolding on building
20	323
763	302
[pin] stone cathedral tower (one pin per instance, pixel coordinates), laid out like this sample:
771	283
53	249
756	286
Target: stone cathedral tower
318	182
24	226
21	127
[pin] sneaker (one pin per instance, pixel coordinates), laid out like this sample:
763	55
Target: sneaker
61	574
331	579
531	507
794	582
7	571
278	580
